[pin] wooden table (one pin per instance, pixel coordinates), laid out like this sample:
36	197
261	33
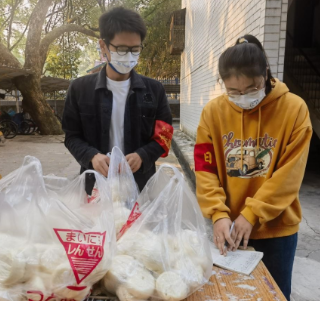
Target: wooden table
225	285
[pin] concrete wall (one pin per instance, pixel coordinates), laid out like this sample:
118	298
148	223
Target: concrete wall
211	27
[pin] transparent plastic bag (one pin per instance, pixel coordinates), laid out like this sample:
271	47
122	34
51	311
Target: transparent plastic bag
124	189
7	180
53	245
163	251
51	181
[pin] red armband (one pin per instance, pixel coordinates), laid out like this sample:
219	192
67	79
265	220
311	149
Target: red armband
163	133
204	158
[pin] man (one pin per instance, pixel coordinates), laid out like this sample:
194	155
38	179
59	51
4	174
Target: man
118	107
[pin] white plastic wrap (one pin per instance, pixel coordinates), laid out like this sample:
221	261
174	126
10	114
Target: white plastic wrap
54	245
124	189
165	235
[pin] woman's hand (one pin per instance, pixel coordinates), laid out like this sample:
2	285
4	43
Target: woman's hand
242	230
221	232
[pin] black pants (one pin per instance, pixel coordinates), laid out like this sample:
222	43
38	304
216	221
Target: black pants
278	258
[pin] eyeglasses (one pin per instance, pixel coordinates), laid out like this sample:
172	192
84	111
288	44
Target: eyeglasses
249	92
123	50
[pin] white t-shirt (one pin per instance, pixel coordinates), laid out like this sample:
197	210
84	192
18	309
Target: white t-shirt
120	90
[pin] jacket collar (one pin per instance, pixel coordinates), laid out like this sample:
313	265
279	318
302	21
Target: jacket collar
136	80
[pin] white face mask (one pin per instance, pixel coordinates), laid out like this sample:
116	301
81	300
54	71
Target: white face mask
249	101
122	64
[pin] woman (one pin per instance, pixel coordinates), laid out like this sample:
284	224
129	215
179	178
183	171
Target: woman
250	157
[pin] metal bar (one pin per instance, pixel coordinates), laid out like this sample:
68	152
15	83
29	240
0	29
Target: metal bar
17	101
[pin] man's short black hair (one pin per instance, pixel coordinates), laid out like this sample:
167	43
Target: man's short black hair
121	20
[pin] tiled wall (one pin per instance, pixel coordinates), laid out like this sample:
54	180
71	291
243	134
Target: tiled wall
211	27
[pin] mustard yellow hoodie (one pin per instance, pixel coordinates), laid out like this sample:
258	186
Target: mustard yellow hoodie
262	184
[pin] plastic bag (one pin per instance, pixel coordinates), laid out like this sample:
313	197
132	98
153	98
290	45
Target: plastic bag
124	189
53	244
7	180
163	252
51	181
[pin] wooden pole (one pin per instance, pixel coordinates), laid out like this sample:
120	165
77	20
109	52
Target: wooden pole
55	102
17	101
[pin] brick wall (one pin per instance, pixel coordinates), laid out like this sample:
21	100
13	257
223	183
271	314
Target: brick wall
275	35
211	27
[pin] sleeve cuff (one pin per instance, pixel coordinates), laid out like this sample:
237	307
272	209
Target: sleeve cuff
145	159
219	215
249	215
88	157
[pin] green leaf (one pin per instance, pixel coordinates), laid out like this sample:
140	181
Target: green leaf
263	153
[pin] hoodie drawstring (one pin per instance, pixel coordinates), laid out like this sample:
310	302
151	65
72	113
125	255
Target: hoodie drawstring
258	137
242	133
242	140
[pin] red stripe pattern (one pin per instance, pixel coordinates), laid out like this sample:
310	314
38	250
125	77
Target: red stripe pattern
204	158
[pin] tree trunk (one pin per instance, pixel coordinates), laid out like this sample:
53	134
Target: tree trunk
36	51
36	105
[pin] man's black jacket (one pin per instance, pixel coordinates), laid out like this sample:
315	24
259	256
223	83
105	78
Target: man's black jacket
87	117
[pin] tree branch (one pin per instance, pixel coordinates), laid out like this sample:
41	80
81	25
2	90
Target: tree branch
4	23
37	18
20	38
155	8
7	58
46	29
91	28
56	33
14	7
102	5
57	11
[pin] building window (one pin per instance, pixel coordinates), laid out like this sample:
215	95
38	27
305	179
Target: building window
177	31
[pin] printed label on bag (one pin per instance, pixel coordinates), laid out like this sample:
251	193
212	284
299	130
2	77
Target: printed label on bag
84	250
40	296
134	215
95	196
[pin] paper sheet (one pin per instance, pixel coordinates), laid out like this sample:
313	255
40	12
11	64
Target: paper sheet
241	261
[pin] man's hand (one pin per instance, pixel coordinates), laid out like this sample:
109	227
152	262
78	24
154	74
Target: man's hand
221	232
100	163
134	161
242	229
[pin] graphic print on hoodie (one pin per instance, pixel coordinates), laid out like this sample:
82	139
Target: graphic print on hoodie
236	175
256	159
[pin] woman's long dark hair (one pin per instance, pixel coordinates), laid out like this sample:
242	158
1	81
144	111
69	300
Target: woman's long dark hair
247	57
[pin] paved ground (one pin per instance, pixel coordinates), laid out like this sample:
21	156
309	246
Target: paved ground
50	150
55	158
306	269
